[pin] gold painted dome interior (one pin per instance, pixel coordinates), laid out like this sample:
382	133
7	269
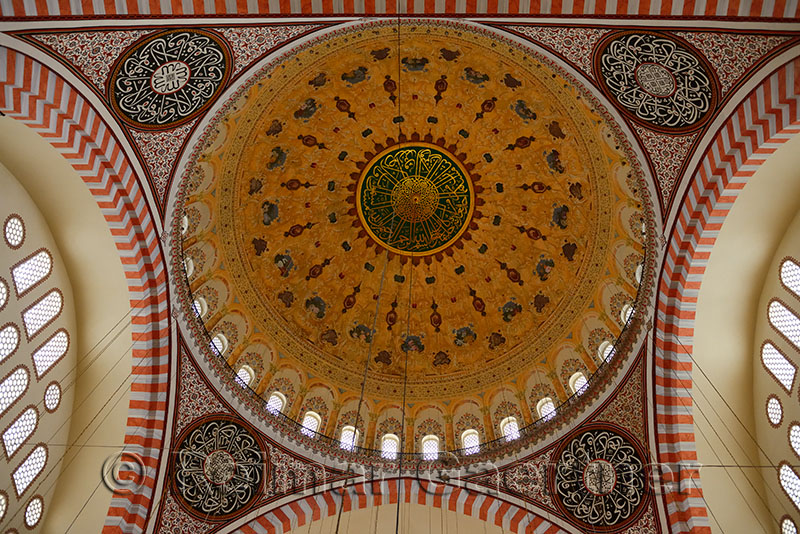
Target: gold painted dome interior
421	209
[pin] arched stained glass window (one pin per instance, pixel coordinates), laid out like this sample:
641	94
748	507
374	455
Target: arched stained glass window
430	447
785	322
348	438
188	267
778	365
390	445
470	441
546	408
578	382
311	422
790	483
9	341
29	469
790	276
276	403
509	428
48	354
31	271
20	430
638	274
42	312
12	387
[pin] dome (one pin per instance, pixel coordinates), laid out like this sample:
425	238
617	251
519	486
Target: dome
417	212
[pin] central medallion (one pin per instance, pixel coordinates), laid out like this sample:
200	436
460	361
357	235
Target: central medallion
415	198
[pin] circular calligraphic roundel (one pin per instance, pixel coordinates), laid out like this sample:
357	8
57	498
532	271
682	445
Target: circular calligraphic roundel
218	468
599	479
169	78
415	198
658	80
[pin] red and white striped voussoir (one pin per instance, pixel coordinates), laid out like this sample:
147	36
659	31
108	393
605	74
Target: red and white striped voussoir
765	120
360	496
679	8
33	94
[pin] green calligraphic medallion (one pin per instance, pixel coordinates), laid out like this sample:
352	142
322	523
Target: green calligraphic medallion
415	199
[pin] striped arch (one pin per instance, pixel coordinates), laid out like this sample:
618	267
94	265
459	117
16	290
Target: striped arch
360	496
787	9
38	97
765	120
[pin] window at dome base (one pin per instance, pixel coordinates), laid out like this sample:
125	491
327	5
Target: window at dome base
19	431
29	469
430	448
778	365
390	445
788	526
348	439
578	383
470	441
790	483
31	271
546	408
509	428
606	351
42	312
245	376
219	343
276	402
9	340
12	387
790	276
785	322
311	422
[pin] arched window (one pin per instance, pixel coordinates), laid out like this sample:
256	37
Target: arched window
790	483
625	313
577	383
9	340
774	410
276	403
311	422
188	267
29	469
790	276
200	307
19	431
3	505
509	428
606	351
788	526
470	441
12	387
33	512
785	322
546	408
184	224
219	343
48	354
794	438
245	376
638	274
390	445
42	312
15	231
3	293
778	365
430	447
348	439
31	271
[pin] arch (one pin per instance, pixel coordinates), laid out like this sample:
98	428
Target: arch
32	93
764	120
460	500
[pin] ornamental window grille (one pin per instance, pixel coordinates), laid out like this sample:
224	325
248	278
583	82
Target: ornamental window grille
509	428
32	271
3	293
785	322
390	445
606	351
790	483
245	376
9	341
546	408
200	307
42	312
626	313
276	403
788	526
48	354
12	387
188	267
430	448
790	276
33	512
15	231
19	431
470	441
52	397
348	438
638	274
578	383
778	365
774	411
311	423
29	469
219	344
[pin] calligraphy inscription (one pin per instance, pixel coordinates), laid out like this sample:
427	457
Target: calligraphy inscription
415	198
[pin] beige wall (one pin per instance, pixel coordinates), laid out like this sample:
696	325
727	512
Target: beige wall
723	376
103	325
